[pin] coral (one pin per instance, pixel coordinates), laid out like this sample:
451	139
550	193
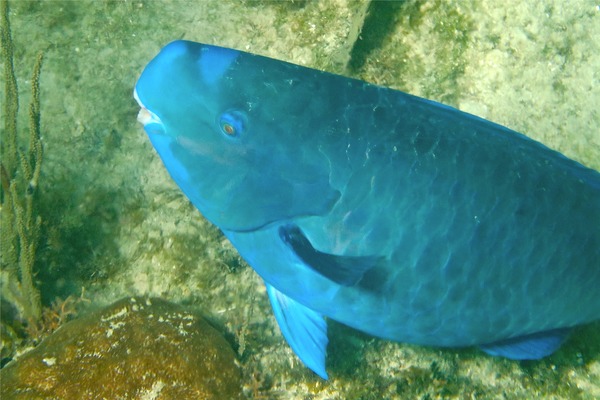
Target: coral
20	176
143	348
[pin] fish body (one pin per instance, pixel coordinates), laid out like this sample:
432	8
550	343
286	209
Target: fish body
398	216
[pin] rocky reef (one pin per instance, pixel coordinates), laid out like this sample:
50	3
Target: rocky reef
114	223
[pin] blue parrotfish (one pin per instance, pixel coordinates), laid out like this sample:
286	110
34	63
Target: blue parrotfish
398	216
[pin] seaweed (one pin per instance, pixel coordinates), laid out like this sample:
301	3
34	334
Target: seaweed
20	175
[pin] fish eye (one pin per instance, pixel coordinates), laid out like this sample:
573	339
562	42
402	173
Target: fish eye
232	123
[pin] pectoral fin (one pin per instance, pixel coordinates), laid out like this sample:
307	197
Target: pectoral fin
304	330
343	270
529	347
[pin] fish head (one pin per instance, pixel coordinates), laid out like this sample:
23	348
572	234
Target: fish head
233	130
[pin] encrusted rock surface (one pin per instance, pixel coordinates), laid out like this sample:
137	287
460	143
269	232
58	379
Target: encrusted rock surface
136	348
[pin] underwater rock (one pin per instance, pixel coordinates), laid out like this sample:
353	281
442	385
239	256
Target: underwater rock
143	348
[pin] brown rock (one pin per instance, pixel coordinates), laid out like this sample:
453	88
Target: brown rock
137	348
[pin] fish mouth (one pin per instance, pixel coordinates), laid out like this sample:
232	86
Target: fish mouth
147	117
144	116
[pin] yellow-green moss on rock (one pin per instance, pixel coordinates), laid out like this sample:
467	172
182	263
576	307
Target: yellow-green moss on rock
136	348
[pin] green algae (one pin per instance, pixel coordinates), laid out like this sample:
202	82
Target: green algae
118	226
